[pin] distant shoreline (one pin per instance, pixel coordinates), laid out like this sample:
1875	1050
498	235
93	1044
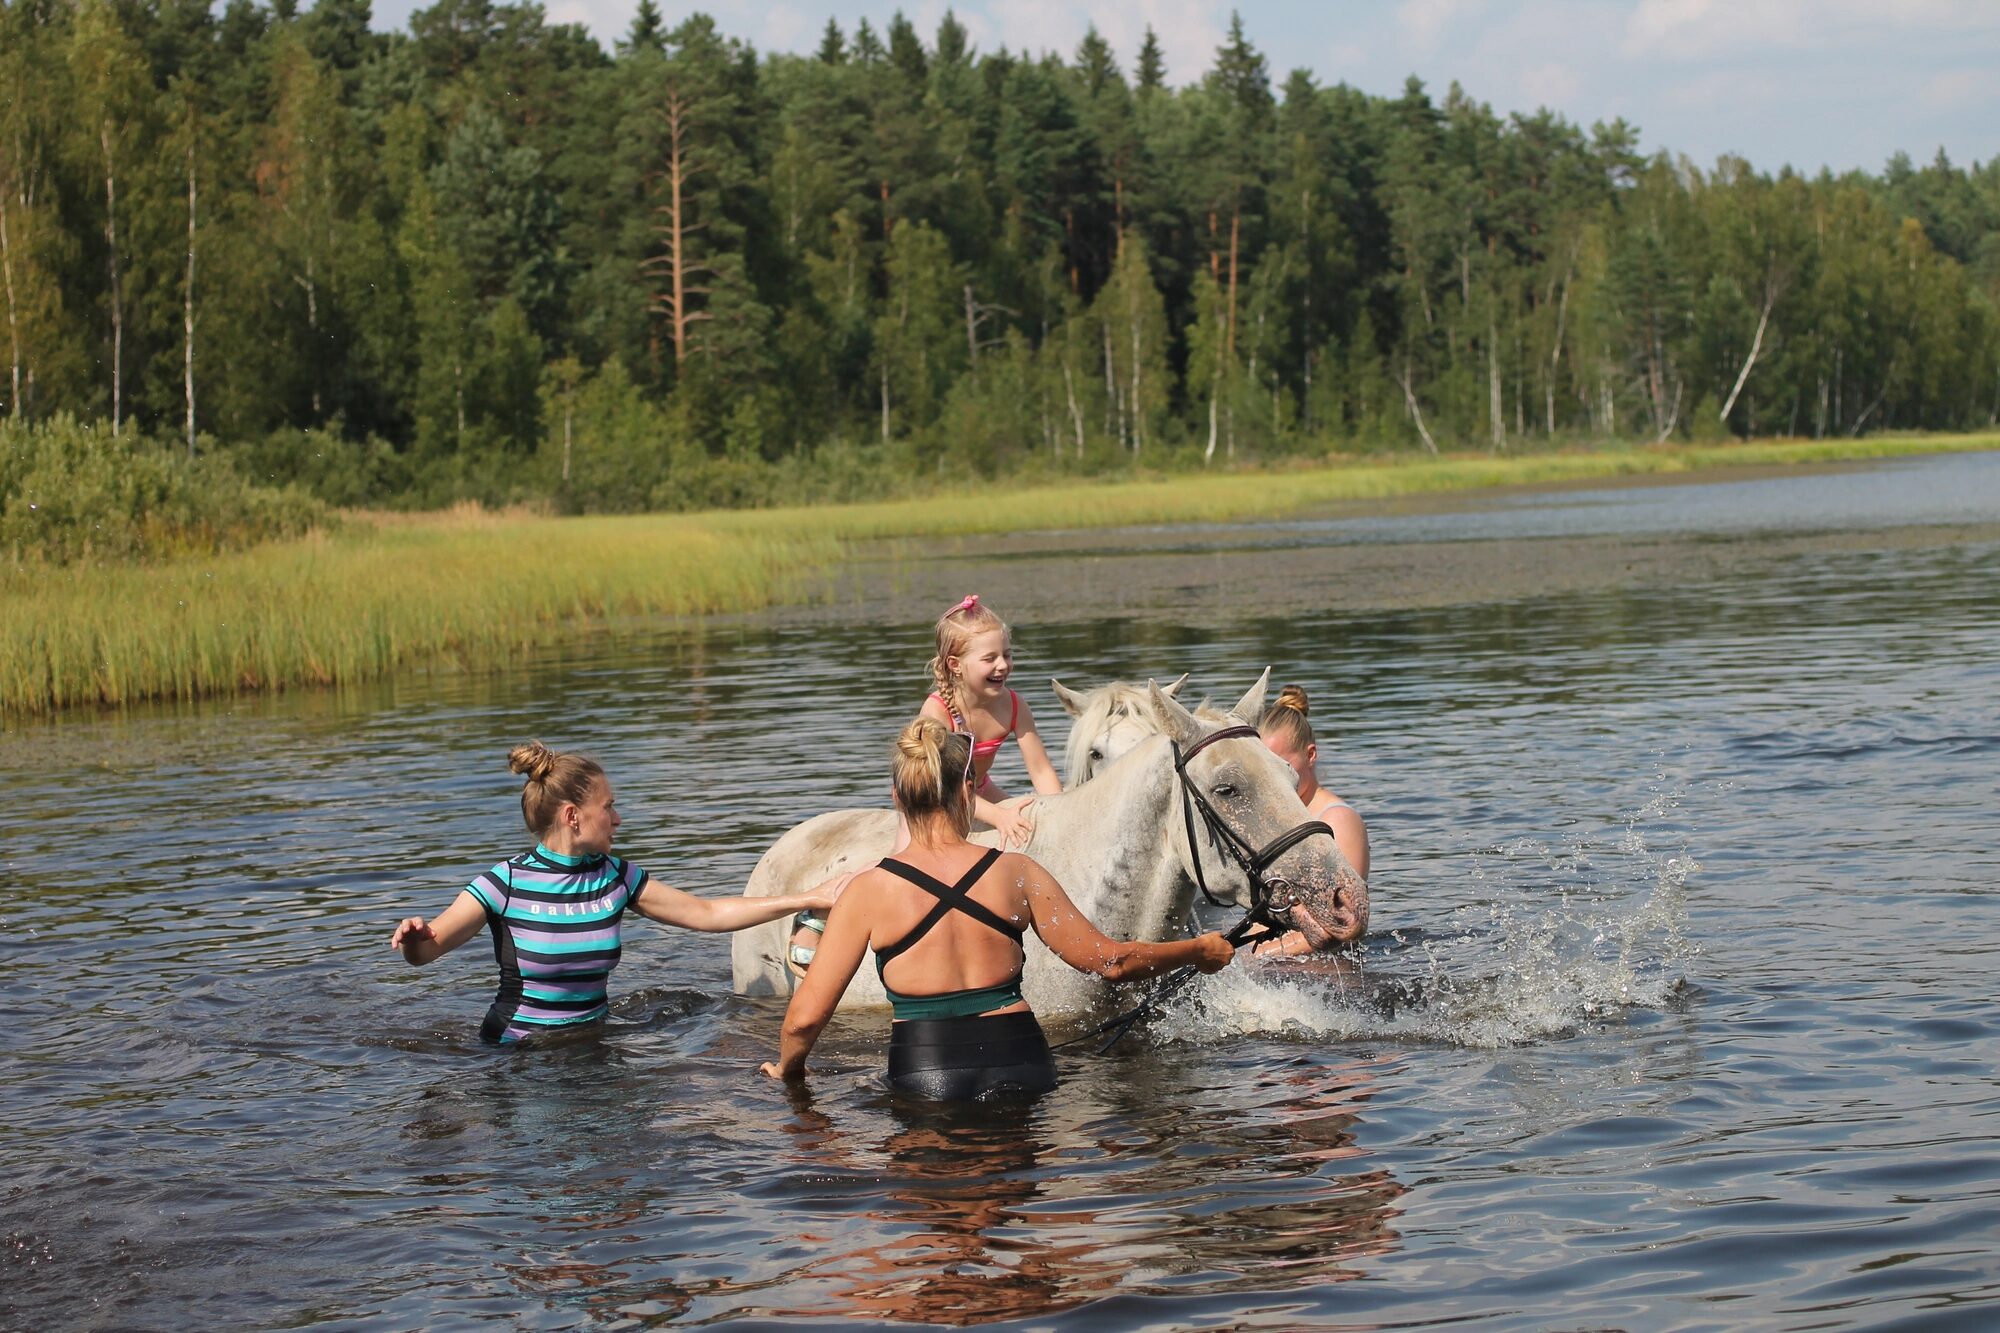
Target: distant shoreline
477	589
1056	575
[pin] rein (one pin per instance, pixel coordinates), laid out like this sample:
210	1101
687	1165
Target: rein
1119	1024
1267	896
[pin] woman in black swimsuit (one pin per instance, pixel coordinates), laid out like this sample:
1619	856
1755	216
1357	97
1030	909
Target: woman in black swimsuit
945	919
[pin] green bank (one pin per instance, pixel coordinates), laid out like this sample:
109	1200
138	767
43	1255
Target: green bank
472	589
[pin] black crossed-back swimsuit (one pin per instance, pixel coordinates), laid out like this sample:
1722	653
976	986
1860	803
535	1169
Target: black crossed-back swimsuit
952	1047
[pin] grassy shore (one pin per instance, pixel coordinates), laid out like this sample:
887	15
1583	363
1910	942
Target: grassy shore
383	593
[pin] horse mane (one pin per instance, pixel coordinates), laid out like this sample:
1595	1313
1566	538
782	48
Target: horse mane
1210	711
1120	698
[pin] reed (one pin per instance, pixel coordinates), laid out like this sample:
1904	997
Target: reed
382	593
367	600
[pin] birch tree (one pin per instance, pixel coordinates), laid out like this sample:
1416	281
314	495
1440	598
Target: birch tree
114	125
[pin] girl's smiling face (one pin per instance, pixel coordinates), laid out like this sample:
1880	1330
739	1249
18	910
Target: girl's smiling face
984	664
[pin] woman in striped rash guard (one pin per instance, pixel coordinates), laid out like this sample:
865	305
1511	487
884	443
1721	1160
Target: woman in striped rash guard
555	911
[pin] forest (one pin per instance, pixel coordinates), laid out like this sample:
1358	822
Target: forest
489	259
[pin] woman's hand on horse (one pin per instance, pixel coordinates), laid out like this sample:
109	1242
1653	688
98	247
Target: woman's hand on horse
1216	951
1013	824
825	895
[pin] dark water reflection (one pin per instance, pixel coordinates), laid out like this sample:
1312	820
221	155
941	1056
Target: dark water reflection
1678	1012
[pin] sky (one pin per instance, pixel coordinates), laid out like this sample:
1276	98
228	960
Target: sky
1805	83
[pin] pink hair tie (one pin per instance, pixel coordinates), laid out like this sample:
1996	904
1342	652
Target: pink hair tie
970	603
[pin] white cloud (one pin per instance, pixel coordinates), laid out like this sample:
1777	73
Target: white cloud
1950	89
1752	29
606	19
1189	30
1424	21
1550	85
1724	90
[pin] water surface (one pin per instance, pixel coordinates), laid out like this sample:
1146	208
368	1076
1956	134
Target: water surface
1676	1013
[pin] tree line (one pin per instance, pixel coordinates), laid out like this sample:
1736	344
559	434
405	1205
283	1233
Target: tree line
488	258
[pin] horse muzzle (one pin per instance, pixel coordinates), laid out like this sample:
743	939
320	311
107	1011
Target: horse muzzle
1324	915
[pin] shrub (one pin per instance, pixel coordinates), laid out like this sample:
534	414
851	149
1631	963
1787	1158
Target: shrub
71	491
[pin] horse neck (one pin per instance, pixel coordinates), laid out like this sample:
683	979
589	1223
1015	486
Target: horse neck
1107	844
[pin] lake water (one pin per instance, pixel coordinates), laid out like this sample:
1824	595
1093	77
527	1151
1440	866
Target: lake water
1677	1011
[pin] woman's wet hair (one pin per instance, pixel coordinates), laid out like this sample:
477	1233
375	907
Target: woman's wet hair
955	629
931	765
554	780
1285	720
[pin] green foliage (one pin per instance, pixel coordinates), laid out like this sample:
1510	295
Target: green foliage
328	465
432	266
70	492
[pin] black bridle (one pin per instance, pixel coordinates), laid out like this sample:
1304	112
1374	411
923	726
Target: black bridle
1268	895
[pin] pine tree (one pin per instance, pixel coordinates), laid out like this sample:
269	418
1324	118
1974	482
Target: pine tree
906	50
1151	71
1096	65
832	46
954	44
1243	76
867	46
647	32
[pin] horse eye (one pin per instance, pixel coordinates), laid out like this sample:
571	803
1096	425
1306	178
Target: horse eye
1225	791
1097	752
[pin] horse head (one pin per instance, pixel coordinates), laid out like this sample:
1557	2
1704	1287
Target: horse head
1108	722
1245	838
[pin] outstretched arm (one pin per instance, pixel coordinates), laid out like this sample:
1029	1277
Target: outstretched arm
424	941
1072	937
1041	772
813	1003
670	906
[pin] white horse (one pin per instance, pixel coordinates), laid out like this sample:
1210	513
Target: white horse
1119	845
1108	721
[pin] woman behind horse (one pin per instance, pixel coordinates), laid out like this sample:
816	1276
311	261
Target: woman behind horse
945	920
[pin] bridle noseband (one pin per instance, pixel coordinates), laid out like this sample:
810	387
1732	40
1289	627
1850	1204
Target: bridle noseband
1267	896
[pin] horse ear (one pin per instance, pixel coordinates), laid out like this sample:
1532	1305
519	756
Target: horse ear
1251	706
1174	720
1072	702
1173	691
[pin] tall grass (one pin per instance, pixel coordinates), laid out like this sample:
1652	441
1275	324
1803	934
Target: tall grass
366	600
383	593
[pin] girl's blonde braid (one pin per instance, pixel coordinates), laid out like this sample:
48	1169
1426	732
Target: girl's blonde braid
947	688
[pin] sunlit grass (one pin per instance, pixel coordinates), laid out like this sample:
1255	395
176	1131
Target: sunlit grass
478	587
367	600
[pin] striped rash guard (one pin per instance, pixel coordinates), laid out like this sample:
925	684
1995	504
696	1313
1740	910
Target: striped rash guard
554	920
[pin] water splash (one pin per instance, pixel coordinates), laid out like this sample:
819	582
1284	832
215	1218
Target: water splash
1554	942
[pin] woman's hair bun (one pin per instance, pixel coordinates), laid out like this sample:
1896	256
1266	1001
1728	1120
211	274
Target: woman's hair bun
1294	698
534	761
930	758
